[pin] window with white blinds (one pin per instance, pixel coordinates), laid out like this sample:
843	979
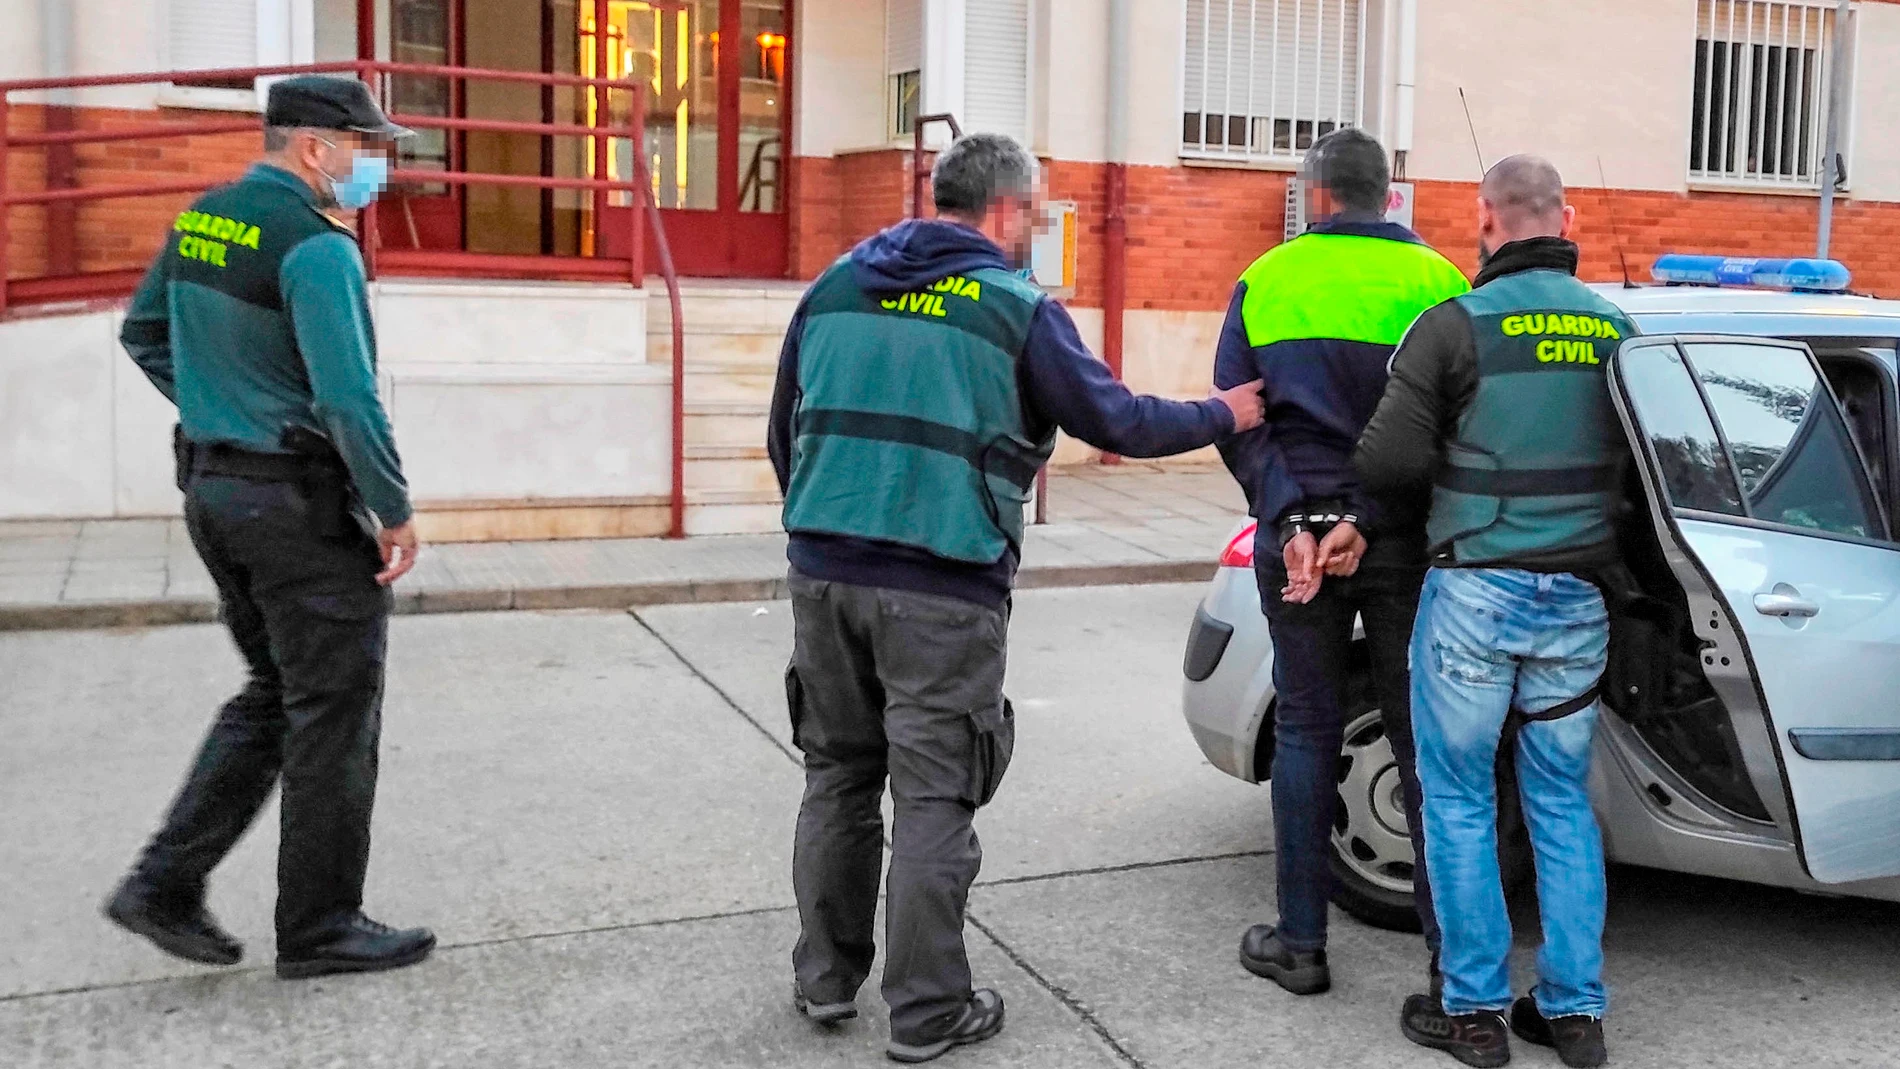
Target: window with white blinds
1265	78
996	68
903	63
208	34
1762	71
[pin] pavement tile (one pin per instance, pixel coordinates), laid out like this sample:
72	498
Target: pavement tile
699	993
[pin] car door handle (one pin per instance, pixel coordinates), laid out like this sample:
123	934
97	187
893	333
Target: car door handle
1785	605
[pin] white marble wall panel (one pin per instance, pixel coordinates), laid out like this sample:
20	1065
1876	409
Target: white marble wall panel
519	433
143	482
56	434
510	323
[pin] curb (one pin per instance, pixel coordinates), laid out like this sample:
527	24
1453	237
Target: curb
161	612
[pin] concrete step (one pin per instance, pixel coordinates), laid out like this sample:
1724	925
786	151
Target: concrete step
733	384
725	423
730	308
719	468
712	512
722	349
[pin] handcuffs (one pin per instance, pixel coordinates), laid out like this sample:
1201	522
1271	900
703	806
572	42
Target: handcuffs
1317	519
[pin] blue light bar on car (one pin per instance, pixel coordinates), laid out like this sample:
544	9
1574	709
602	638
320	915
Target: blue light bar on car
1680	269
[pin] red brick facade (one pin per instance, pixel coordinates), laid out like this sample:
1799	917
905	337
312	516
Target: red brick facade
119	233
1191	230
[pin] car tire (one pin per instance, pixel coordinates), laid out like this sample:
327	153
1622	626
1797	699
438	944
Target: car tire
1372	859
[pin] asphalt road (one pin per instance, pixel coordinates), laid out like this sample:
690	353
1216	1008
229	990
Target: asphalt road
594	811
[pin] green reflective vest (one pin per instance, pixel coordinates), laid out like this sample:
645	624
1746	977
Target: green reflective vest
1534	465
909	427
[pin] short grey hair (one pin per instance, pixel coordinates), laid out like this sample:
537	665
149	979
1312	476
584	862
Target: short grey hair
277	138
978	169
1350	164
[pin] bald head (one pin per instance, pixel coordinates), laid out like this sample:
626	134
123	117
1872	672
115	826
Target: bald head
1522	197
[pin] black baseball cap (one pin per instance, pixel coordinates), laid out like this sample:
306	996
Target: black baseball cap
323	103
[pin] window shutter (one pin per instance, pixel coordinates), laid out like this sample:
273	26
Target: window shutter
903	36
1262	75
996	68
208	34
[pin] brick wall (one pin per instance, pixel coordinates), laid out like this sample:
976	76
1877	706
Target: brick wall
1192	230
126	232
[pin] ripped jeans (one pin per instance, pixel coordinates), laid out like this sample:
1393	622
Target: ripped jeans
1490	640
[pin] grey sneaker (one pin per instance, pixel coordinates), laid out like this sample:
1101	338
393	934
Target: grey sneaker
982	1019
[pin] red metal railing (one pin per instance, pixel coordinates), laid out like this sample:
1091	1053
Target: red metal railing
120	281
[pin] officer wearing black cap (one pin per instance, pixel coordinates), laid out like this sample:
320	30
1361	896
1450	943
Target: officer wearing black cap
255	321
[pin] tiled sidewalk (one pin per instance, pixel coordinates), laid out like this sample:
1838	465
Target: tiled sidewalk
1133	523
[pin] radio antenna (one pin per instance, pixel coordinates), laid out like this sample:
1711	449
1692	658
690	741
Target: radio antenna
1473	127
1616	231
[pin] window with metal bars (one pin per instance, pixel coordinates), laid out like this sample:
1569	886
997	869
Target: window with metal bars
1762	71
1266	78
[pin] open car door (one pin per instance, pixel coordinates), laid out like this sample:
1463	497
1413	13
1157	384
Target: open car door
1755	482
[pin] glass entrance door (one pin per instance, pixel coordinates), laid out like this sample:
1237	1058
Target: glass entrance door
716	74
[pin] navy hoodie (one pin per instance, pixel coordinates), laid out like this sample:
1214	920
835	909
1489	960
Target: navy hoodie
1062	385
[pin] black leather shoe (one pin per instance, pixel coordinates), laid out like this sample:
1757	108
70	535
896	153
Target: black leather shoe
357	945
1477	1039
1578	1038
1301	972
188	932
982	1019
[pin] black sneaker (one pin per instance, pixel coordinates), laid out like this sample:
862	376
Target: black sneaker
982	1019
357	945
824	1013
1578	1038
1478	1039
1301	972
188	932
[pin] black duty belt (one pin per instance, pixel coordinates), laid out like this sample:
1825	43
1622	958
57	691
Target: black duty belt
258	467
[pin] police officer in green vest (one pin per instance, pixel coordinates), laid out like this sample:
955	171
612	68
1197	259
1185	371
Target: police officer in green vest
919	391
255	321
1500	401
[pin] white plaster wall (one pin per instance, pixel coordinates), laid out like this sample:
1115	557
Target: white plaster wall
498	393
1567	79
840	92
1873	159
21	53
497	323
56	425
1072	103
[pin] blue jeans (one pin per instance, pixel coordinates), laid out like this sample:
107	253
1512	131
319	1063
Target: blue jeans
1489	640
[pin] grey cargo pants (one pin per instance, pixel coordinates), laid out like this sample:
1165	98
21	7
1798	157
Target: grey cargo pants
909	686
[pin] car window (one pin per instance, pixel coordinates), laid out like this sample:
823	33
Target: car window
1790	445
1681	435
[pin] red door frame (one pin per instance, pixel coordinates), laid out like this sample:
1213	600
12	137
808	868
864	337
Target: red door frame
725	242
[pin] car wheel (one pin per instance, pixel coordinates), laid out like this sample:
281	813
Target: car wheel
1372	848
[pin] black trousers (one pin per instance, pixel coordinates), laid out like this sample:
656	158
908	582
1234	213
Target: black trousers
1311	645
888	683
312	625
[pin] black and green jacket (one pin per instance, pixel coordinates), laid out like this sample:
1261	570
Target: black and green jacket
1500	400
255	317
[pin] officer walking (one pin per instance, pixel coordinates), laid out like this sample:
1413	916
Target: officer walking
919	392
1317	318
255	321
1525	454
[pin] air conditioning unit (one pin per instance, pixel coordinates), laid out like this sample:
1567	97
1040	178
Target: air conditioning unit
1398	207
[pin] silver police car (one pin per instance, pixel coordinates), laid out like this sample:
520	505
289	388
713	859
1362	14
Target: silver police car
1754	685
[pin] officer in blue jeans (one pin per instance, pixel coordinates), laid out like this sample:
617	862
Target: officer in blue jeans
1500	400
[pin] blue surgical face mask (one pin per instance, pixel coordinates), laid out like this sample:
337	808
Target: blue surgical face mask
368	177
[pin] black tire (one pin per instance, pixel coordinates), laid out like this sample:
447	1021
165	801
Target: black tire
1371	887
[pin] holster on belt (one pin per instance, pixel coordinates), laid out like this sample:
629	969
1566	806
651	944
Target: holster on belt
182	456
325	482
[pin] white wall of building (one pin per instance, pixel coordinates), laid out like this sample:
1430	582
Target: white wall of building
840	90
1873	161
